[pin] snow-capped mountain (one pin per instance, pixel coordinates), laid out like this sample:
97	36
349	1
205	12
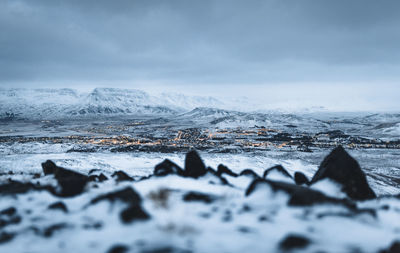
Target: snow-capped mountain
60	103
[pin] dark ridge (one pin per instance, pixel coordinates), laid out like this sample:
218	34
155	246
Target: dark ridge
278	168
58	206
121	176
294	241
126	195
299	195
194	166
222	169
249	172
197	196
15	187
167	167
345	170
300	178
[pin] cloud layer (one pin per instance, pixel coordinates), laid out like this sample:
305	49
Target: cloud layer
211	42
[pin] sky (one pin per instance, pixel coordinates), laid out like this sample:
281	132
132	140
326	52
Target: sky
343	51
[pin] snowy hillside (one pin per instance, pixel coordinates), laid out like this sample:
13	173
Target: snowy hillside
65	103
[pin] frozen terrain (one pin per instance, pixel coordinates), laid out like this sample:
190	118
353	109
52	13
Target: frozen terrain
110	130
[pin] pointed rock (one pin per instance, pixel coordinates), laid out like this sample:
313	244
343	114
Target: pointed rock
222	169
194	166
300	178
72	183
279	169
167	167
345	170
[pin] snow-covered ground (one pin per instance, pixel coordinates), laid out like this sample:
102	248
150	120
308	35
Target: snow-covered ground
37	125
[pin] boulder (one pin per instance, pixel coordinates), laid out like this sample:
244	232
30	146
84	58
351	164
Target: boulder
194	166
72	183
345	170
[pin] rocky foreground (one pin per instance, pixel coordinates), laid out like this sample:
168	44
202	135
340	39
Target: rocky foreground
198	209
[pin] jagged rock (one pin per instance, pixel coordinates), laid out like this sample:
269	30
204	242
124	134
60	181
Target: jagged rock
59	206
49	167
194	166
127	195
394	248
167	167
279	169
294	241
222	169
197	196
249	172
345	170
133	212
72	183
97	178
15	187
121	176
300	178
299	195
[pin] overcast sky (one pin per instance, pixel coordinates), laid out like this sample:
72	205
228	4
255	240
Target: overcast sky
203	45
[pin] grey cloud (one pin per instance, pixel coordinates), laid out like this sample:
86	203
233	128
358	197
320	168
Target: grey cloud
200	41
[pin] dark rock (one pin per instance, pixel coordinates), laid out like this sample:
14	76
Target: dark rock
215	178
345	170
59	206
222	169
126	195
134	212
97	178
197	196
167	167
119	248
294	242
121	176
249	172
6	237
49	167
15	187
394	248
194	166
49	231
279	169
9	211
15	219
300	178
299	195
72	183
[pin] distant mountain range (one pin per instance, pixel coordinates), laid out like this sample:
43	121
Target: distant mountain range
50	104
65	103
